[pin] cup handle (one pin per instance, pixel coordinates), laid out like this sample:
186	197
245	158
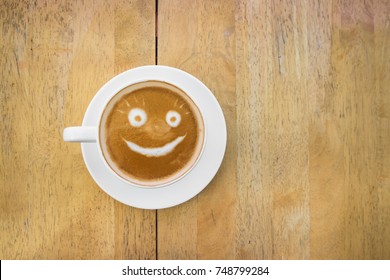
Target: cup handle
85	134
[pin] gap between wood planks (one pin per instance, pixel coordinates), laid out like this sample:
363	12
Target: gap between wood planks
156	33
156	63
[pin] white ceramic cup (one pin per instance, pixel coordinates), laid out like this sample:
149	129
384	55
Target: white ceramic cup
90	134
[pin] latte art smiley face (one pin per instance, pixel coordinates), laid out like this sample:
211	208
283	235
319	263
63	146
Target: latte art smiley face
152	133
138	117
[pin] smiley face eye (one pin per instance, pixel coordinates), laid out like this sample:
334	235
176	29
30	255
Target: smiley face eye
173	118
137	117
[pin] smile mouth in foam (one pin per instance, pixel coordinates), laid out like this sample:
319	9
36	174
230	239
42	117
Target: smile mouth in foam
158	151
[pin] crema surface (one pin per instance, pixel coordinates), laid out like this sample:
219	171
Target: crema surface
151	133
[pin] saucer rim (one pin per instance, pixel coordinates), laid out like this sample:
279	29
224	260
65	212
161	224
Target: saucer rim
187	186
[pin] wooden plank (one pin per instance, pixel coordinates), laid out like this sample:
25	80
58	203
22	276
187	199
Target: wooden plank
54	57
273	196
348	128
326	173
134	38
382	113
198	37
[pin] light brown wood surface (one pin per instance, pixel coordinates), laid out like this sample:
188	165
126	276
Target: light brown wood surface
305	90
55	55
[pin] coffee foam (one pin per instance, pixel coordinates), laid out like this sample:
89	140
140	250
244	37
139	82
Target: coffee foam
151	133
155	152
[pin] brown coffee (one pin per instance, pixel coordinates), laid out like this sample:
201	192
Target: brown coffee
151	133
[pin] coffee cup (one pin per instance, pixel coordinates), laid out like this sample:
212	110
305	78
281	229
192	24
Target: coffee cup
150	131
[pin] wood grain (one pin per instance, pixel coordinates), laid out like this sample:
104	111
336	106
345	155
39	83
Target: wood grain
273	185
305	90
55	55
198	37
348	146
305	175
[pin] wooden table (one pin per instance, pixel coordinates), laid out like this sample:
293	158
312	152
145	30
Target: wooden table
305	89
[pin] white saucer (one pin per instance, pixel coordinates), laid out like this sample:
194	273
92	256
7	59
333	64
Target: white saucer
201	174
189	185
